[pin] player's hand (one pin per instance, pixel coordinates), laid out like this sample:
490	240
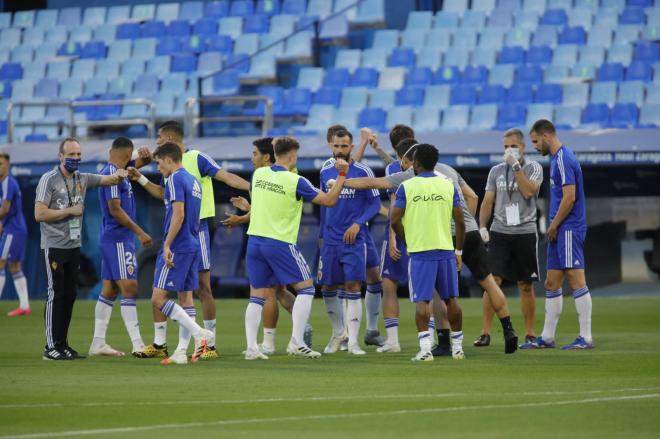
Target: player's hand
509	158
351	233
365	135
144	153
330	183
485	236
341	165
121	174
552	232
459	262
77	210
168	257
373	141
145	239
240	203
231	220
133	174
395	254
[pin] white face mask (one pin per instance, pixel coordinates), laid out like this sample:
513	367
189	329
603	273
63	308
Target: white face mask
515	152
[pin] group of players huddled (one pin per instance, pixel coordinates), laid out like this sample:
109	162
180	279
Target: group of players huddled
431	233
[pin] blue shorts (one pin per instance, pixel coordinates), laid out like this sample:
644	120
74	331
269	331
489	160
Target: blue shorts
426	275
567	251
204	246
391	269
373	260
118	260
12	246
342	263
180	278
277	263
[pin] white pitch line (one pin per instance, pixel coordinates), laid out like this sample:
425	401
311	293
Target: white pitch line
326	417
317	398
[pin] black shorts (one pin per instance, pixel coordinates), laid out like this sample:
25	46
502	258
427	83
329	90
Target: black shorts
514	257
475	256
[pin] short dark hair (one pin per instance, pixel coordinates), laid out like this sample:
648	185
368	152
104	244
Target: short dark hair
122	143
543	126
265	146
400	132
169	123
170	150
403	146
285	144
332	130
4	155
67	139
172	128
343	133
427	156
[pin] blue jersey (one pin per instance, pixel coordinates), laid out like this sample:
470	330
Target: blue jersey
182	187
14	222
111	230
565	170
206	165
353	206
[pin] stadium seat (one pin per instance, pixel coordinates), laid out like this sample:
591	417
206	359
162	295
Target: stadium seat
69	49
159	65
426	119
5	91
567	117
128	31
491	39
215	9
327	96
410	96
34	37
565	55
500	18
22	55
483	117
294	7
632	15
95	86
58	70
46	88
227	251
545	36
364	77
529	74
430	57
463	95
455	118
262	67
610	72
575	95
420	20
238	62
502	74
548	94
71	88
573	35
492	94
121	85
83	68
320	117
153	29
475	75
512	55
247	43
206	27
105	33
348	59
10	38
539	55
336	28
226	83
520	94
232	26
554	17
179	28
647	51
354	98
370	13
94	16
604	93
457	57
592	56
439	38
336	78
539	111
624	116
437	96
209	62
620	53
386	39
143	12
399	115
23	19
511	116
94	50
347	117
183	64
446	20
518	38
384	99
299	101
582	17
146	85
256	24
402	57
373	118
419	76
48	18
392	78
220	43
639	71
168	46
626	34
595	116
299	46
631	92
649	115
132	68
310	78
283	24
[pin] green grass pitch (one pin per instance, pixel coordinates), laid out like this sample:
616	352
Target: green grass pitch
612	391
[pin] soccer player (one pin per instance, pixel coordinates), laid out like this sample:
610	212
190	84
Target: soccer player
14	235
177	262
475	257
272	255
118	261
204	169
263	155
566	233
344	248
422	217
512	190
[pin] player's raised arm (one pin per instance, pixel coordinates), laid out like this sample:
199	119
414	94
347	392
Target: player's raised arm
155	190
111	180
329	199
368	183
232	180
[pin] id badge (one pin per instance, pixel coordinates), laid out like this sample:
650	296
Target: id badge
74	228
512	214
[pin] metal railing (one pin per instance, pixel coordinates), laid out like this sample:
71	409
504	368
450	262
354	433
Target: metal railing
72	124
192	121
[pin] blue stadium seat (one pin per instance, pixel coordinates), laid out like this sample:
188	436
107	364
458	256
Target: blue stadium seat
500	18
647	51
603	93
426	120
257	24
95	86
457	57
58	70
419	76
335	28
192	11
529	74
596	116
492	94
592	56
447	75
624	116
69	49
539	55
484	57
83	68
446	20
128	31
299	46
392	78
146	85
94	16
402	57
373	118
94	49
320	117
226	83
22	89
600	36
439	38
144	48
5	90
386	39
159	65
232	26
649	115
475	75
23	19
168	46
548	94
205	27
512	55
268	7
327	96
539	111
632	15
5	20
573	35
511	116
410	96
209	62
437	96
120	50
502	74
48	18
220	43
458	6
545	36
575	94
455	118
639	71
518	38
46	88
179	28
520	94
348	59
183	63
153	29
420	20
554	17
491	38
239	62
193	44
167	12
463	95
465	39
483	118
294	7
310	78
365	77
277	95
370	13
565	55
473	19
143	12
271	44
384	99
398	115
299	101
80	35
631	92
620	53
283	24
582	17
336	78
216	9
430	57
34	37
10	38
354	97
71	88
262	67
567	116
610	72
22	55
627	34
105	33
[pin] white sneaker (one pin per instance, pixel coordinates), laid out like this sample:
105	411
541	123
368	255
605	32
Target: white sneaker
301	351
387	347
334	344
266	350
255	355
201	344
458	355
178	357
343	346
423	356
355	350
104	350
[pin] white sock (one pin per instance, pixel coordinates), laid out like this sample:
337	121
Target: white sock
432	329
179	315
211	325
372	302
252	321
160	333
341	295
424	338
354	317
553	305
392	329
184	334
130	317
583	306
335	312
269	337
20	283
302	307
102	315
2	281
456	341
